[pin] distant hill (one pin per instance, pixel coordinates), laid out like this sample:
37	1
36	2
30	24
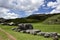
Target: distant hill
53	20
2	20
34	18
41	17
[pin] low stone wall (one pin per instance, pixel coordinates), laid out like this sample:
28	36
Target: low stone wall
38	32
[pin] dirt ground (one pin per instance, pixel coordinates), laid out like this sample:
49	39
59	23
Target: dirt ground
8	35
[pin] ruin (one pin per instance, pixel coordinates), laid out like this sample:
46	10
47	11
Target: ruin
28	28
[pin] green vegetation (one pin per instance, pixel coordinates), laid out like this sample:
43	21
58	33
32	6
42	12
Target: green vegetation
3	36
46	27
53	20
35	18
44	22
24	36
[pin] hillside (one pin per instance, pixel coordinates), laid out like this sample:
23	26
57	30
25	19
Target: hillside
32	18
53	20
41	17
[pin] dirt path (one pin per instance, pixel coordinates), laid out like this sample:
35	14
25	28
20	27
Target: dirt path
8	35
1	38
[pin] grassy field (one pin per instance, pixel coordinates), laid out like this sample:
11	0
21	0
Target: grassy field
47	28
24	36
3	36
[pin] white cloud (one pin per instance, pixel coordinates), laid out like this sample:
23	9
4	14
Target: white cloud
4	13
37	13
52	4
55	5
26	5
29	6
56	10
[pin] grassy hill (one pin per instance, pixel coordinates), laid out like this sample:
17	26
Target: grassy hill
53	20
35	18
41	17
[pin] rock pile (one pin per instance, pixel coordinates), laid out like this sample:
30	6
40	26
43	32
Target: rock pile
28	28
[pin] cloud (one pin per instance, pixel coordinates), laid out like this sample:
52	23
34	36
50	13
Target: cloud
26	5
55	5
4	13
52	4
56	10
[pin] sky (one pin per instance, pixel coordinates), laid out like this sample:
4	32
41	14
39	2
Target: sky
11	9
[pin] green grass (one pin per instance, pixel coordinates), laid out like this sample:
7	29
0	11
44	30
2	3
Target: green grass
3	36
24	36
53	20
47	28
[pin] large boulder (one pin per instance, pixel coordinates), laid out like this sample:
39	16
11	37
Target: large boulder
28	31
16	29
2	23
55	38
41	33
25	26
13	28
34	31
53	34
58	35
11	24
47	35
28	26
21	26
5	23
23	31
